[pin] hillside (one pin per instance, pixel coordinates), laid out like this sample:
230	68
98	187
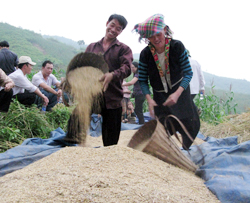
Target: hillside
223	86
223	83
67	41
26	42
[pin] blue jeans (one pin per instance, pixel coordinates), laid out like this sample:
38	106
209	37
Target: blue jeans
52	100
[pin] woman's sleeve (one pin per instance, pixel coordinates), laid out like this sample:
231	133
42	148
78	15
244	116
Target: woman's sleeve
184	65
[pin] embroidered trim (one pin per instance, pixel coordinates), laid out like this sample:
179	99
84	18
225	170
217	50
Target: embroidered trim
167	72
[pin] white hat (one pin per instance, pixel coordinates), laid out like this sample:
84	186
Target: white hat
26	59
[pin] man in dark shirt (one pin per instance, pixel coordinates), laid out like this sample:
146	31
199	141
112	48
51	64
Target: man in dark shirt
8	59
6	92
119	58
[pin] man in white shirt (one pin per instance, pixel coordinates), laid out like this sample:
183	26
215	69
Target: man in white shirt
197	83
44	79
24	90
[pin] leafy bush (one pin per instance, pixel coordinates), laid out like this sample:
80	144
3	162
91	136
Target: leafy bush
21	123
213	108
59	116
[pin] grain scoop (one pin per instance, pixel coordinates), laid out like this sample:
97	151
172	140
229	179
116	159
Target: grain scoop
82	60
84	88
153	139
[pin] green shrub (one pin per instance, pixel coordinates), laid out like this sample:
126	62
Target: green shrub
214	108
21	123
59	116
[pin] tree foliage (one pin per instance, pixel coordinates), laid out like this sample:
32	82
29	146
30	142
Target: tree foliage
81	42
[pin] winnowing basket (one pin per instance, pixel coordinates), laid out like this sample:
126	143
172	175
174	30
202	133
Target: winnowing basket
152	138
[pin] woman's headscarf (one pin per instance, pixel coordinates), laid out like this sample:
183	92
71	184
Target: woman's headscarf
153	25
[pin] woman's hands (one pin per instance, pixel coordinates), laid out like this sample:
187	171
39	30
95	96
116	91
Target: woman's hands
151	105
173	98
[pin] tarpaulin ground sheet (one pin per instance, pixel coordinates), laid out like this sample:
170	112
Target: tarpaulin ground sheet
223	164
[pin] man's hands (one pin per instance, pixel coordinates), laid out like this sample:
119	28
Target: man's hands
106	78
203	92
59	94
45	100
8	87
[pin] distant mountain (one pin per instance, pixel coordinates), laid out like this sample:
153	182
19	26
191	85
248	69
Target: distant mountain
67	41
227	84
28	43
64	40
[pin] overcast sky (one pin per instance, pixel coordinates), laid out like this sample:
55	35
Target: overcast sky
216	32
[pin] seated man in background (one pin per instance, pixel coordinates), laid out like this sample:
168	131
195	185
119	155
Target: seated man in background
129	116
44	79
25	92
6	92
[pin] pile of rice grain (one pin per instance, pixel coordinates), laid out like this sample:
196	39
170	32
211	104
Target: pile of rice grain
125	137
105	174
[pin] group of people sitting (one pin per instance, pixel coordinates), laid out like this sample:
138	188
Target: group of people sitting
39	91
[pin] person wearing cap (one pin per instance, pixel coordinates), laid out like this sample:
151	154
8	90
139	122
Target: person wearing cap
197	83
164	64
6	92
8	59
119	58
44	80
25	92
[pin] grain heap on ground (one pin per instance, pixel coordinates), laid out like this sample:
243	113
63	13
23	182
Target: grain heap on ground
105	174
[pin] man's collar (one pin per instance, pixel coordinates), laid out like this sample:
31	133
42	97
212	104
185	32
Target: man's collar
116	41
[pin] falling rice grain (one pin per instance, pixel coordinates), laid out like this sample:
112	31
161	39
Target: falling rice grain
86	89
